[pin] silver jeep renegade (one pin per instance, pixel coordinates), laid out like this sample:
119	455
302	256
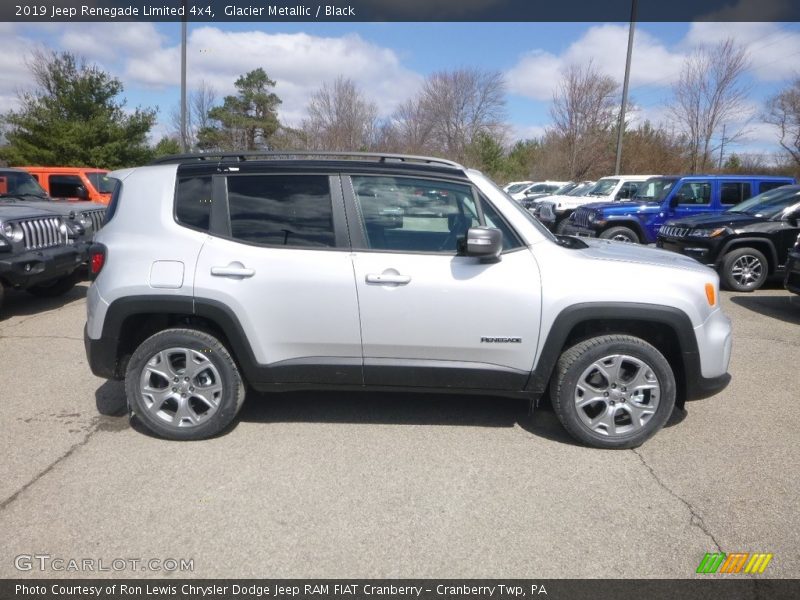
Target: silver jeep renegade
384	272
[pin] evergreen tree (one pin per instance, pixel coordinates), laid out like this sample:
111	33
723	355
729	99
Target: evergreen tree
73	118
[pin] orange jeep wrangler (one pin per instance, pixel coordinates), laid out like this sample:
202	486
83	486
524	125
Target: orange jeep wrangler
74	183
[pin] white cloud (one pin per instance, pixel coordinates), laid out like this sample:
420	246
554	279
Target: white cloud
536	74
299	63
773	51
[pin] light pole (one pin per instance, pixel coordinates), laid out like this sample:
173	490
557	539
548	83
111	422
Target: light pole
621	125
184	141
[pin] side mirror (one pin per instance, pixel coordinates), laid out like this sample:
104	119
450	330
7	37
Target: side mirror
484	243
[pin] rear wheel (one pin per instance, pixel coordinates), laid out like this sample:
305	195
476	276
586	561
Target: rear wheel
54	288
744	270
184	385
561	226
620	234
613	391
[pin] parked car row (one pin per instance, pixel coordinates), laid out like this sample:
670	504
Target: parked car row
743	226
43	242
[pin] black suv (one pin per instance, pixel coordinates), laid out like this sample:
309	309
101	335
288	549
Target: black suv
747	243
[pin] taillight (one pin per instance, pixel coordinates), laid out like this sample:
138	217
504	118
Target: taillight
97	258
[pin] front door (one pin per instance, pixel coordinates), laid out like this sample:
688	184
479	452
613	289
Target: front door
429	316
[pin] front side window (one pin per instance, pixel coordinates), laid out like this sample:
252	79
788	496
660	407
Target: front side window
65	186
694	192
281	210
419	215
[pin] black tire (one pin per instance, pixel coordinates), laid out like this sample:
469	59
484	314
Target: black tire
54	288
216	368
621	234
561	226
579	360
2	294
738	270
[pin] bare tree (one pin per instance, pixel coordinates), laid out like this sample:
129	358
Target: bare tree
200	102
409	129
709	94
340	118
783	111
584	116
459	106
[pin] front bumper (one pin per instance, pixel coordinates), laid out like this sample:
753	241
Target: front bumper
571	229
29	268
700	253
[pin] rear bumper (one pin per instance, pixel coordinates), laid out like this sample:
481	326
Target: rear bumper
102	356
38	266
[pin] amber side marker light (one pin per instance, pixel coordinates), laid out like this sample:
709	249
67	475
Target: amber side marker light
711	294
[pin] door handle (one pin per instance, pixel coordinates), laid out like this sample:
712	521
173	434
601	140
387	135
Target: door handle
388	278
233	270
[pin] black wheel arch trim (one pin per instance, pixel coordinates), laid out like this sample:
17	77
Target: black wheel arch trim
572	316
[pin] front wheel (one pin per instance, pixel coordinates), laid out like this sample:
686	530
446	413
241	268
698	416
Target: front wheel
613	391
744	270
620	234
183	384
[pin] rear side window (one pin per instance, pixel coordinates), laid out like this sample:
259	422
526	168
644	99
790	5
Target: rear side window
766	186
733	192
281	210
193	202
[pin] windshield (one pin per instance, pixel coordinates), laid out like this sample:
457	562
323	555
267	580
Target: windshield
603	187
17	183
655	189
493	189
101	182
565	189
769	204
581	190
517	187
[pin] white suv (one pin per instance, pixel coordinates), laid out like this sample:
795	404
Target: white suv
555	210
384	272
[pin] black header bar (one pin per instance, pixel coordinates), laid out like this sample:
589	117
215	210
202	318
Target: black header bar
397	10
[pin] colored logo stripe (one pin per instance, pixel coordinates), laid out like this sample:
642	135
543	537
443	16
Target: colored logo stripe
714	562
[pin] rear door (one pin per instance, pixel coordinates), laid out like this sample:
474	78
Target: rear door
431	317
279	260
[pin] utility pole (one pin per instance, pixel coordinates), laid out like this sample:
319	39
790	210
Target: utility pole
621	125
184	140
721	146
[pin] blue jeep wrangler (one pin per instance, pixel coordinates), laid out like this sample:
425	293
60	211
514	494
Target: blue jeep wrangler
660	199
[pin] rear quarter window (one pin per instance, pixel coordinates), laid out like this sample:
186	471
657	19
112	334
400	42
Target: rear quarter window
193	202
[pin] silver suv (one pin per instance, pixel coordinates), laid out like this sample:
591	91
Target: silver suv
384	272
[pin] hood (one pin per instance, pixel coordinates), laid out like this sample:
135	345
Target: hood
624	207
732	220
599	249
60	208
11	212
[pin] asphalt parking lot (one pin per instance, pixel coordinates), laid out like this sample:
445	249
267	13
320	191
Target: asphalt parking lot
364	485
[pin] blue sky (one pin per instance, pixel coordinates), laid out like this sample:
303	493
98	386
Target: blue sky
389	60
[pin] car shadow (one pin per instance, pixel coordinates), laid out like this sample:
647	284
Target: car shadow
785	307
384	408
17	303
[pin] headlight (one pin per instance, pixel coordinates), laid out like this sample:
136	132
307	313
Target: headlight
591	217
12	232
84	220
707	233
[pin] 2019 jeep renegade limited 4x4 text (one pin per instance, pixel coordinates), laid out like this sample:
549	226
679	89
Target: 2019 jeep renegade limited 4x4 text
383	272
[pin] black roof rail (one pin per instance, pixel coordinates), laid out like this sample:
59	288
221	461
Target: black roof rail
289	154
